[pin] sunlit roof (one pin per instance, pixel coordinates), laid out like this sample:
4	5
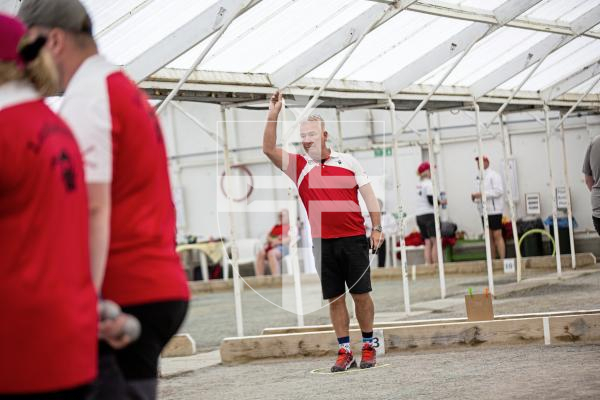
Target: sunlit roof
276	40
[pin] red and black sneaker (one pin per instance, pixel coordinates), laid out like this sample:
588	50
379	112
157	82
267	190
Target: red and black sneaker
344	362
368	359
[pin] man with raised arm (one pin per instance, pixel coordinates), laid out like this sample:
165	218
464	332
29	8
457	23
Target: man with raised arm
328	183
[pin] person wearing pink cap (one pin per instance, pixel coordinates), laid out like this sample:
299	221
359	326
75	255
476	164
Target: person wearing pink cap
425	212
494	191
48	332
131	210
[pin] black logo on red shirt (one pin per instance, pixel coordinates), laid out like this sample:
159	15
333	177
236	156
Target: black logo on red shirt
43	135
63	161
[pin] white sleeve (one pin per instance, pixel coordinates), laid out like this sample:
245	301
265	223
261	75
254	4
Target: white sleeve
359	173
497	189
429	188
90	120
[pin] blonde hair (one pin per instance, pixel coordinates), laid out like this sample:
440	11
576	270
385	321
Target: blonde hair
10	72
40	72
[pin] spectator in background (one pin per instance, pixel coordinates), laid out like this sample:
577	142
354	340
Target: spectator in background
425	212
388	223
276	247
494	190
591	170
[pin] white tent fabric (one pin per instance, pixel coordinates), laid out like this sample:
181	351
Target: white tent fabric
270	34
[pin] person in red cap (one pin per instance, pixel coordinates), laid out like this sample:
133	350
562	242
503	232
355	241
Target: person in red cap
48	333
132	215
425	212
494	191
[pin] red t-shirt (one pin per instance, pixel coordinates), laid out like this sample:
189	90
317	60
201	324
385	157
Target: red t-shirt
122	144
329	192
48	321
280	230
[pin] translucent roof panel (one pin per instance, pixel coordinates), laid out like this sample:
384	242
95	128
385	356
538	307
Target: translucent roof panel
487	5
112	12
149	25
559	64
586	85
488	54
392	46
560	10
269	35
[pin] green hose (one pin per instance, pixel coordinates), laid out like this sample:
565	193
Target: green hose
542	231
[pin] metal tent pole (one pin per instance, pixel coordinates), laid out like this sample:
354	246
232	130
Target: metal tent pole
293	246
237	289
198	60
568	194
338	114
405	288
436	208
553	189
509	194
486	224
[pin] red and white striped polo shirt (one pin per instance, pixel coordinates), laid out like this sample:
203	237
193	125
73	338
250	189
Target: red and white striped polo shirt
329	192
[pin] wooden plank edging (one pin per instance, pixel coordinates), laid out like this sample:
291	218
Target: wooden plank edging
563	329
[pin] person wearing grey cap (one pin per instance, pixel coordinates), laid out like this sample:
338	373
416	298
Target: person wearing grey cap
131	212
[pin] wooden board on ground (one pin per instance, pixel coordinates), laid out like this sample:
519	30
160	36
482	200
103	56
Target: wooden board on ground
324	328
583	328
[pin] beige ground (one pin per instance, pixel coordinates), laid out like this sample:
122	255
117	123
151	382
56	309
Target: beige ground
532	372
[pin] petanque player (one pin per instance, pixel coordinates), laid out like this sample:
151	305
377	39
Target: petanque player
48	327
328	183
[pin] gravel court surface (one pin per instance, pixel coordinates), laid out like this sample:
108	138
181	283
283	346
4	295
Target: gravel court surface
514	372
212	317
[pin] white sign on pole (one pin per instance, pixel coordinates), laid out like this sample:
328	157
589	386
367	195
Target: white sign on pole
533	203
509	265
561	198
378	341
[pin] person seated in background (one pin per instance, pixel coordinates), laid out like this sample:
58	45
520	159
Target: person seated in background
275	248
388	224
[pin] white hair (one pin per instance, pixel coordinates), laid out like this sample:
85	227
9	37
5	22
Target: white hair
315	117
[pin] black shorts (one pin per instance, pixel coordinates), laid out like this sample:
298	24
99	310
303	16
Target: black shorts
597	224
138	361
426	225
343	262
495	221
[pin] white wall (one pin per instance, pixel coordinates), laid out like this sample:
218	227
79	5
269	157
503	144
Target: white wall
206	206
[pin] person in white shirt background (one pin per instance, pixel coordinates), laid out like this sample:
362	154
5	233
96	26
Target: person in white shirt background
425	212
494	191
388	223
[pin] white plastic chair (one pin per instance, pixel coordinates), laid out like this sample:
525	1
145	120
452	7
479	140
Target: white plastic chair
247	249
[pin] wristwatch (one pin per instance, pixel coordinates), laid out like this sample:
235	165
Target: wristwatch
378	228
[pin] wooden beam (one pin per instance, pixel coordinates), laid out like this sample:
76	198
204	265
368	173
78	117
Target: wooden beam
584	328
329	328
